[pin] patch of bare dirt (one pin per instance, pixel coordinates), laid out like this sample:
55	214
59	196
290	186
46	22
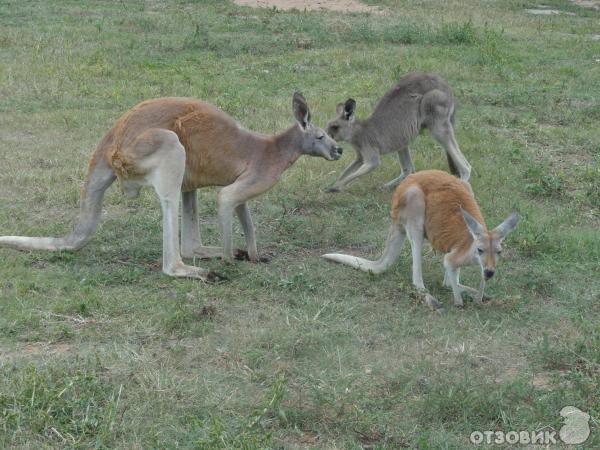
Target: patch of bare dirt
310	5
595	4
542	381
38	349
544	10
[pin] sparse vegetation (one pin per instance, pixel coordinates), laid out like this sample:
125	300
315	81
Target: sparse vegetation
99	349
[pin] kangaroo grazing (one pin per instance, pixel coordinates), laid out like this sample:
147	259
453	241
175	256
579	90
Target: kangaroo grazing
419	100
177	145
437	206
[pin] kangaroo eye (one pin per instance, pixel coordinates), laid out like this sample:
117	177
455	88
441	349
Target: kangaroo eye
498	252
334	127
321	137
480	251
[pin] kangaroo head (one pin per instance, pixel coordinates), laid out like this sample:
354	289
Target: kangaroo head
487	246
315	141
340	128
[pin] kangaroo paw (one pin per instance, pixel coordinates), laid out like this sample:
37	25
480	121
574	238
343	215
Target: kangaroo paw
432	302
243	255
184	271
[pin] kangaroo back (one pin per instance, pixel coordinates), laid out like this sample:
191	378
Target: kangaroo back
397	117
416	83
445	195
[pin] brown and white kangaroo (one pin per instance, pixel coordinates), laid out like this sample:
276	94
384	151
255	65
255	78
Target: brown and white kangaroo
419	100
439	207
177	145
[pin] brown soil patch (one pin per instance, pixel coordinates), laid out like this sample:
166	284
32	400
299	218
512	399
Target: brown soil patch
588	3
310	5
37	350
542	381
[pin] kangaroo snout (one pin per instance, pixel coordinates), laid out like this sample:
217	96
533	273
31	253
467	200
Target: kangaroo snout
336	153
489	273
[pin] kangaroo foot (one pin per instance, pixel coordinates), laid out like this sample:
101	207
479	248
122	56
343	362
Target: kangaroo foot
184	271
243	255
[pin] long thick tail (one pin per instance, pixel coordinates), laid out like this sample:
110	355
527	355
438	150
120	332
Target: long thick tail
99	177
453	169
393	247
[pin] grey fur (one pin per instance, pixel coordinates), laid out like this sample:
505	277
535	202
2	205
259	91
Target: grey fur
507	226
419	100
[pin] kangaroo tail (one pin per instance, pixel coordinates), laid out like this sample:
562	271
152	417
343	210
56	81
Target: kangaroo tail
393	247
453	170
99	177
453	116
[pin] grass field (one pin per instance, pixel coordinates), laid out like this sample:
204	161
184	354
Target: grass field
99	349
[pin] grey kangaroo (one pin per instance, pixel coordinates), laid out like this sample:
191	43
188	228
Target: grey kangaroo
419	100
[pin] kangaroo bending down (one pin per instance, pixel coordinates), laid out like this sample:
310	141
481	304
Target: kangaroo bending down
179	145
419	100
436	206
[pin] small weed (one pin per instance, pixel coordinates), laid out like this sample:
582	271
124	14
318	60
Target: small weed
363	32
405	33
589	176
453	33
542	182
189	317
458	33
199	39
492	48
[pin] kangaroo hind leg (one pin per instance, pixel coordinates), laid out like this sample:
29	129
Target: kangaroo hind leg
191	242
413	216
162	161
437	110
243	213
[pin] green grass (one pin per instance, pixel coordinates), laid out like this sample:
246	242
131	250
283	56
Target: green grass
99	349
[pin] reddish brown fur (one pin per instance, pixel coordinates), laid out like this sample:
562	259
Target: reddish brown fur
182	144
445	194
436	206
215	145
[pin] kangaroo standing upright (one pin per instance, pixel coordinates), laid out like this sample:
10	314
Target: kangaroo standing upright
179	145
419	100
436	206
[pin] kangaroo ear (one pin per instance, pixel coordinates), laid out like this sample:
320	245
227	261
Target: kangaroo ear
475	228
339	109
301	110
507	226
349	108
